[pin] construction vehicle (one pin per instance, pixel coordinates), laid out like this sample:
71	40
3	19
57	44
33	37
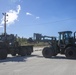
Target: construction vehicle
42	38
66	44
10	45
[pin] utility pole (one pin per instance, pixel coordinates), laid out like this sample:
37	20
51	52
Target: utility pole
5	14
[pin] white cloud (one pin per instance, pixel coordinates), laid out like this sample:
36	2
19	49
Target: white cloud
18	9
37	17
12	16
28	14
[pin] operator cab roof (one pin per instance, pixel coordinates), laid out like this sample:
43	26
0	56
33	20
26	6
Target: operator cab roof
65	32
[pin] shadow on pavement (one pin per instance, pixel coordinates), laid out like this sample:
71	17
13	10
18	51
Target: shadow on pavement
19	58
55	57
58	57
24	58
14	59
62	57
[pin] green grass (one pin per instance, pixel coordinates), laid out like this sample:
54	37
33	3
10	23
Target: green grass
35	44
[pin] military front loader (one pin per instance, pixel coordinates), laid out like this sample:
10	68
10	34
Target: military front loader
66	44
10	45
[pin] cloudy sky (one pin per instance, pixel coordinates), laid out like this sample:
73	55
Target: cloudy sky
47	17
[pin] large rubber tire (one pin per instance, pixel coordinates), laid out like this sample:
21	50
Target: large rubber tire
23	52
3	54
13	53
55	54
28	52
47	52
70	52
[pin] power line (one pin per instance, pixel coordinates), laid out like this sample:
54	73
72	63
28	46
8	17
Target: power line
55	21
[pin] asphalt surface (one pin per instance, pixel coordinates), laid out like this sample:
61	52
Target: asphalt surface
36	64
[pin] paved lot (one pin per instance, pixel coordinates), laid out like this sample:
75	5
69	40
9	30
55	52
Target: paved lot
36	64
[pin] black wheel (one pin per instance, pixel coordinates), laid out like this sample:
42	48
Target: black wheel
47	52
28	52
55	54
70	52
55	51
13	53
3	53
22	52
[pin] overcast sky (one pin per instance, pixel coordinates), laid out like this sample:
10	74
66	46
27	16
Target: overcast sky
47	17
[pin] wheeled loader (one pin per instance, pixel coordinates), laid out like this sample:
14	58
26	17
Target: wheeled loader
65	44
